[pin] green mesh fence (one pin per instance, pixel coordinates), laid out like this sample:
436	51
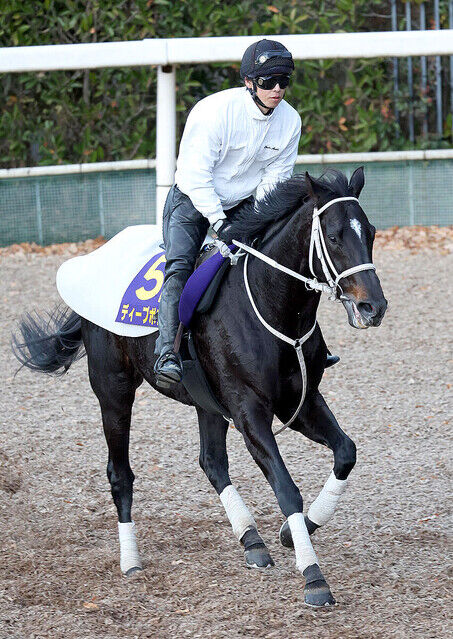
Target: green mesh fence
402	193
70	208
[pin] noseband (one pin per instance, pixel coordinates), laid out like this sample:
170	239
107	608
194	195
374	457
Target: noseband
331	285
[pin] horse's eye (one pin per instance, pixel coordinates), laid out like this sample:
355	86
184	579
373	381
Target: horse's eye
332	238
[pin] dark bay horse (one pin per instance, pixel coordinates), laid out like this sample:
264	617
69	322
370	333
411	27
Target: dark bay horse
253	373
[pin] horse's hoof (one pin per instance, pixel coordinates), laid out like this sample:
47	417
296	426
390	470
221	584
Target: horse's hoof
316	592
258	558
131	571
317	595
285	536
255	551
285	532
311	526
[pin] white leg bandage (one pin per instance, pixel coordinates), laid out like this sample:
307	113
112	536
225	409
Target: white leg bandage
129	557
305	555
237	512
326	502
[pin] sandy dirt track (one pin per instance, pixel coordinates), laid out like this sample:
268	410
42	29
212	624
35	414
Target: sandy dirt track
384	554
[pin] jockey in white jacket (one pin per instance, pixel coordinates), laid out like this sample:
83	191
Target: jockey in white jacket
236	143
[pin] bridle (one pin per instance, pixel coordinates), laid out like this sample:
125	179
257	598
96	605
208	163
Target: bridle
331	286
318	242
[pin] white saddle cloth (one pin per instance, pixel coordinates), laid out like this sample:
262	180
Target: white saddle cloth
118	285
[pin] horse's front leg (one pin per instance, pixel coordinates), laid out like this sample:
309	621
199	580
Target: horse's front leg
317	422
255	421
214	463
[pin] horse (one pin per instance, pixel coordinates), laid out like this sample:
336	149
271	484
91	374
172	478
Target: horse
252	370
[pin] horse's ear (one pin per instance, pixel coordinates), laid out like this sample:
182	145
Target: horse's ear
312	187
356	182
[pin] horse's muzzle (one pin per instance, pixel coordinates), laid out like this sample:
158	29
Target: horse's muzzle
364	314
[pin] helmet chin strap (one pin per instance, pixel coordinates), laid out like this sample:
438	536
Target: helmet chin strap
256	98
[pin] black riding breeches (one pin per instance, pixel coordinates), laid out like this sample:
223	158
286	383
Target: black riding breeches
184	230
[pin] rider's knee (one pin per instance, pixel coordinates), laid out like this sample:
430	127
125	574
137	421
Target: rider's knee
180	269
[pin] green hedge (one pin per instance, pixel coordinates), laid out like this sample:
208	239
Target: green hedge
109	114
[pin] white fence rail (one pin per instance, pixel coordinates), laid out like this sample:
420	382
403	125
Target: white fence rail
225	49
70	169
166	53
307	159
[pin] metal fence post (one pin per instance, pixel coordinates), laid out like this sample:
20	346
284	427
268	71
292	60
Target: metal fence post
438	75
450	11
409	77
395	61
424	79
165	136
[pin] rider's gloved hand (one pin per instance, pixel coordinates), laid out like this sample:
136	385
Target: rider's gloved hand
222	228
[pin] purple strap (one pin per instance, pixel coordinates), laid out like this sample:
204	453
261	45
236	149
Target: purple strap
196	285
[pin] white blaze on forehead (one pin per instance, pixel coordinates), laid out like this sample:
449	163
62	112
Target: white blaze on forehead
356	226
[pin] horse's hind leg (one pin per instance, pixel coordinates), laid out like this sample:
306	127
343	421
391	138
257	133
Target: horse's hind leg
317	422
214	462
114	382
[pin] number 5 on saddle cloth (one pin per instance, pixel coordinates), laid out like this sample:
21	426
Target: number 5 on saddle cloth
118	287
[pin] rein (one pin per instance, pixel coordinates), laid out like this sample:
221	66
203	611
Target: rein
317	242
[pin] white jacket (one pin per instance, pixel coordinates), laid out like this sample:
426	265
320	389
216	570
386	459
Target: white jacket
230	148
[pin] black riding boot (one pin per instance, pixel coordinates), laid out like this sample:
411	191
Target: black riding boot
168	366
184	231
331	360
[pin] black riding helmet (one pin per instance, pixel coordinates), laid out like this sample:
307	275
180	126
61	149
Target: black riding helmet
264	58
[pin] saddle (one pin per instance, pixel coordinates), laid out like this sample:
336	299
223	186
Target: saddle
197	297
201	287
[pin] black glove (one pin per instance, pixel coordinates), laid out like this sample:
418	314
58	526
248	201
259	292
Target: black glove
223	230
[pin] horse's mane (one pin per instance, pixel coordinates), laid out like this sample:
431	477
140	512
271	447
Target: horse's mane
284	199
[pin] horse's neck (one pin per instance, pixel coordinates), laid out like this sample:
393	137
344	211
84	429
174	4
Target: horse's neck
279	296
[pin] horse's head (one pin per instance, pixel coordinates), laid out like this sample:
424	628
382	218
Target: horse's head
346	242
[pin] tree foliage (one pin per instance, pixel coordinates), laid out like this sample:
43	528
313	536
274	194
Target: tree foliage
110	114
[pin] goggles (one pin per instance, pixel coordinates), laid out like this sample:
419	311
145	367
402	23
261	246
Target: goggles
267	55
268	82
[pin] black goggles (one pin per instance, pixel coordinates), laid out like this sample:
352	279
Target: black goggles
270	81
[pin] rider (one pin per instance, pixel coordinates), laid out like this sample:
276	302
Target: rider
235	142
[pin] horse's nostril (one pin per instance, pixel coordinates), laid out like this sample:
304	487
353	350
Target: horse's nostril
365	308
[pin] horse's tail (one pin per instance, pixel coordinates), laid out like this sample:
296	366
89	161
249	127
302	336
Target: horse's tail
49	344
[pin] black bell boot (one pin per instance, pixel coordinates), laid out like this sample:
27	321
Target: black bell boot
331	360
168	369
